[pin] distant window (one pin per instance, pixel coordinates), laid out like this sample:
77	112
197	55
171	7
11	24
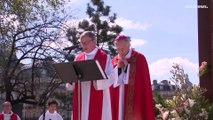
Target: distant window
161	87
43	73
166	87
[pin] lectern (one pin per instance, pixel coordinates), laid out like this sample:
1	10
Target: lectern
80	71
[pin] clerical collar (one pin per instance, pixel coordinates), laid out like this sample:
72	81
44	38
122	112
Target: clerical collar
129	53
93	52
51	113
9	113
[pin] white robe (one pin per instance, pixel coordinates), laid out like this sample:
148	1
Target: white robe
51	116
98	85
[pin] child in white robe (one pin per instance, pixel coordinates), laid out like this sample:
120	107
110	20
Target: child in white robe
51	113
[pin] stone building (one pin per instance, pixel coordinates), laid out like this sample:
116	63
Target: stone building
164	88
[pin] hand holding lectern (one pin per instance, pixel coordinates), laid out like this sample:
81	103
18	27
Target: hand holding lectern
86	70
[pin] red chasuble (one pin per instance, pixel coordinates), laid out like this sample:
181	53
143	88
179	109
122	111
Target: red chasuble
138	101
13	116
96	96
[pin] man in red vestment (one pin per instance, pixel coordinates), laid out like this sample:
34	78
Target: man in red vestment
132	90
95	99
7	113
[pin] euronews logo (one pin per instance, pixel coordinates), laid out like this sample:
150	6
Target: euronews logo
197	6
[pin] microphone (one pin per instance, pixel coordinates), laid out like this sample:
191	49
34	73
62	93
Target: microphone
72	47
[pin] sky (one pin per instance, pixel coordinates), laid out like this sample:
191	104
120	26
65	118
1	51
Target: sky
165	31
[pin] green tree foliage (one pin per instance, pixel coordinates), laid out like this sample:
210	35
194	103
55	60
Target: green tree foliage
101	22
27	27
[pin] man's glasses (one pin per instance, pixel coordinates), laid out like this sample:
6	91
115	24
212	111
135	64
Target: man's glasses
85	42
